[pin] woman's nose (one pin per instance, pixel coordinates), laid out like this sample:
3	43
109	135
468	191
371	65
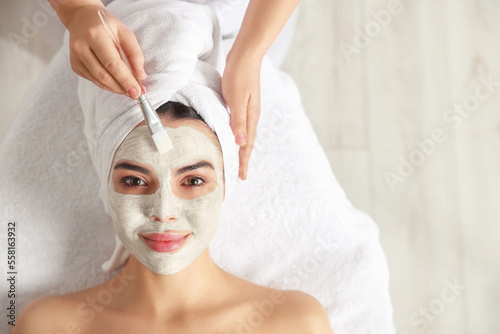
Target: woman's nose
163	205
167	219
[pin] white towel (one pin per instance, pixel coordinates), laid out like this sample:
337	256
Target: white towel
288	226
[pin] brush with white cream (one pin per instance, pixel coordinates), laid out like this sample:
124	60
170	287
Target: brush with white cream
156	128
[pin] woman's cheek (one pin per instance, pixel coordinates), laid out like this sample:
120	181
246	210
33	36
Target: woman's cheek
190	212
129	211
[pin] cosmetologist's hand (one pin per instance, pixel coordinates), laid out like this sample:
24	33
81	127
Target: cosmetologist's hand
241	91
93	55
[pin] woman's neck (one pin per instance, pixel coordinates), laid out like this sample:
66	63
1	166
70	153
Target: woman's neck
156	295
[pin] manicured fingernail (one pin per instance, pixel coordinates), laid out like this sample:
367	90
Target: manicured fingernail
133	92
241	139
142	73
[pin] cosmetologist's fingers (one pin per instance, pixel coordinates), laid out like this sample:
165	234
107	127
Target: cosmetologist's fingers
111	61
133	51
239	120
94	66
80	69
253	115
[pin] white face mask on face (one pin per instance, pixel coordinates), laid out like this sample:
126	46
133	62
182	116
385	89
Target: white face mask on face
139	201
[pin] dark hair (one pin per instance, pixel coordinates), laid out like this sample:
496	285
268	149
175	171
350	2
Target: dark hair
177	111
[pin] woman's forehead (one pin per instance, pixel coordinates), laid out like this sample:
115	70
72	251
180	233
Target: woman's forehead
189	145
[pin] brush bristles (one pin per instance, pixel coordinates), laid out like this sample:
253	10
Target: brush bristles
162	141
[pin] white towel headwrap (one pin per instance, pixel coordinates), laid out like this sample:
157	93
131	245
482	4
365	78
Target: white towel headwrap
184	60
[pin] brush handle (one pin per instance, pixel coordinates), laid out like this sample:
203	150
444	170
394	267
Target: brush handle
105	22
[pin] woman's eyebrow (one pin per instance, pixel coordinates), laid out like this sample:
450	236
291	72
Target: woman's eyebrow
126	165
197	165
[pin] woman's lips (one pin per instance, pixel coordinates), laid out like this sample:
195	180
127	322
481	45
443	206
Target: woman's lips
165	242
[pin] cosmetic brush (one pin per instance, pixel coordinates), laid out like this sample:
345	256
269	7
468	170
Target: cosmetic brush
156	128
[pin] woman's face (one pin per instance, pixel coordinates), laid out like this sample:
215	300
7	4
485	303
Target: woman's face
165	208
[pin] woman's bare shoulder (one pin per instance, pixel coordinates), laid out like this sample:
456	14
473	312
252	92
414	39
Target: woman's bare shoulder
283	311
268	310
42	314
300	312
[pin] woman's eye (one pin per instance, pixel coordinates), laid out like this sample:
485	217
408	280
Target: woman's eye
131	181
194	181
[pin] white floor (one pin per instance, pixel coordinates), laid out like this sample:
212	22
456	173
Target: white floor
374	101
